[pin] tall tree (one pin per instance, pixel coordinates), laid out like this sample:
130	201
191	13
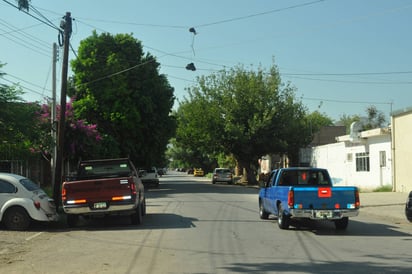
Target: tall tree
374	119
18	127
243	113
119	88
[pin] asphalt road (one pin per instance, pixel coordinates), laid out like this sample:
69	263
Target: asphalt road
193	226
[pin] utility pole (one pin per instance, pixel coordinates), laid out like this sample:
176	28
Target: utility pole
66	25
53	115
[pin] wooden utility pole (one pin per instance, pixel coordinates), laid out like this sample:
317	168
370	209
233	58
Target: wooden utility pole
53	115
66	25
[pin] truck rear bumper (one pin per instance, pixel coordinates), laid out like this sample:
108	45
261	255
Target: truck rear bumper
323	214
86	209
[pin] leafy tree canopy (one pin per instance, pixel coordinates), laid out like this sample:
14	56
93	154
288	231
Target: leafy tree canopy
18	127
374	119
119	88
244	113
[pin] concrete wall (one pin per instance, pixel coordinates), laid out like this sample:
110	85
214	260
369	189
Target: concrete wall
402	150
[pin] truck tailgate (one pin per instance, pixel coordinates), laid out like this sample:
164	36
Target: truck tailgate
97	190
324	197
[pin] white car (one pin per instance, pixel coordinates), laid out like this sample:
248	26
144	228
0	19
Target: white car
149	177
22	201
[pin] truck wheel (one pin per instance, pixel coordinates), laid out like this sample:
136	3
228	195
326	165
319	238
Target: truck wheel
262	212
136	217
341	224
16	218
72	220
283	219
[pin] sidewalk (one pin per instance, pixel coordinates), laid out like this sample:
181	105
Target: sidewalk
384	204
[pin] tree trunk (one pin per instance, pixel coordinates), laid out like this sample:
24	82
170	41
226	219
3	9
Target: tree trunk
248	175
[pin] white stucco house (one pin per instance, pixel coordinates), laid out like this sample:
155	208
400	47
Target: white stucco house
362	158
366	159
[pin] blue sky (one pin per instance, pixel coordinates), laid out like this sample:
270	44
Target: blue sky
341	55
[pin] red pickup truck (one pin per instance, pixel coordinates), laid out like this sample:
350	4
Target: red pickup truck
104	187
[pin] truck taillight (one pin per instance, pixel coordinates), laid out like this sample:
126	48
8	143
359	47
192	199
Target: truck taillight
121	198
63	193
357	199
291	198
133	188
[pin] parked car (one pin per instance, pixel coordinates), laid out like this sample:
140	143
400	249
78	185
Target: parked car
408	207
23	201
222	175
149	177
198	172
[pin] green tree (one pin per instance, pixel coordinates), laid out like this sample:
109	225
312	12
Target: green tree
243	113
374	119
18	127
347	120
119	88
318	120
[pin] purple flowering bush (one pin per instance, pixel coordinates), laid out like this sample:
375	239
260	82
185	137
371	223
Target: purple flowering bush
80	136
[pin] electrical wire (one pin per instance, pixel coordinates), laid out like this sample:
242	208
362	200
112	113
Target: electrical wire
29	14
259	14
26	40
25	88
352	82
346	101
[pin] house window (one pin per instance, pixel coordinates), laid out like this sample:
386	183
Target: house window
362	161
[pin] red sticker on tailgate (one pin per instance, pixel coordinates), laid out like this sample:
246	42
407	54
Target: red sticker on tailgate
324	192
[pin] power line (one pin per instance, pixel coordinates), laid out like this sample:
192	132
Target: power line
38	19
28	41
259	14
346	101
348	74
353	82
25	88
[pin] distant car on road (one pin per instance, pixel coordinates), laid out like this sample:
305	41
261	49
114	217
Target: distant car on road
149	177
22	201
408	207
198	172
222	175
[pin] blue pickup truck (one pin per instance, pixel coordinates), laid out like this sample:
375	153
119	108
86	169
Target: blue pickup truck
307	193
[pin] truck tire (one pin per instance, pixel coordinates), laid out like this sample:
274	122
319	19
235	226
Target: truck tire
72	220
137	217
262	212
16	218
342	224
283	219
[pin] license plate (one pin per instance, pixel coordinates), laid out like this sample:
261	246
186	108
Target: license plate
324	214
99	205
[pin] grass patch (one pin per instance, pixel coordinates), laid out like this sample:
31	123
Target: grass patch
387	188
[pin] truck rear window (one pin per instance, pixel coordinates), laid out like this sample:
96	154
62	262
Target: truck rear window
304	178
99	169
